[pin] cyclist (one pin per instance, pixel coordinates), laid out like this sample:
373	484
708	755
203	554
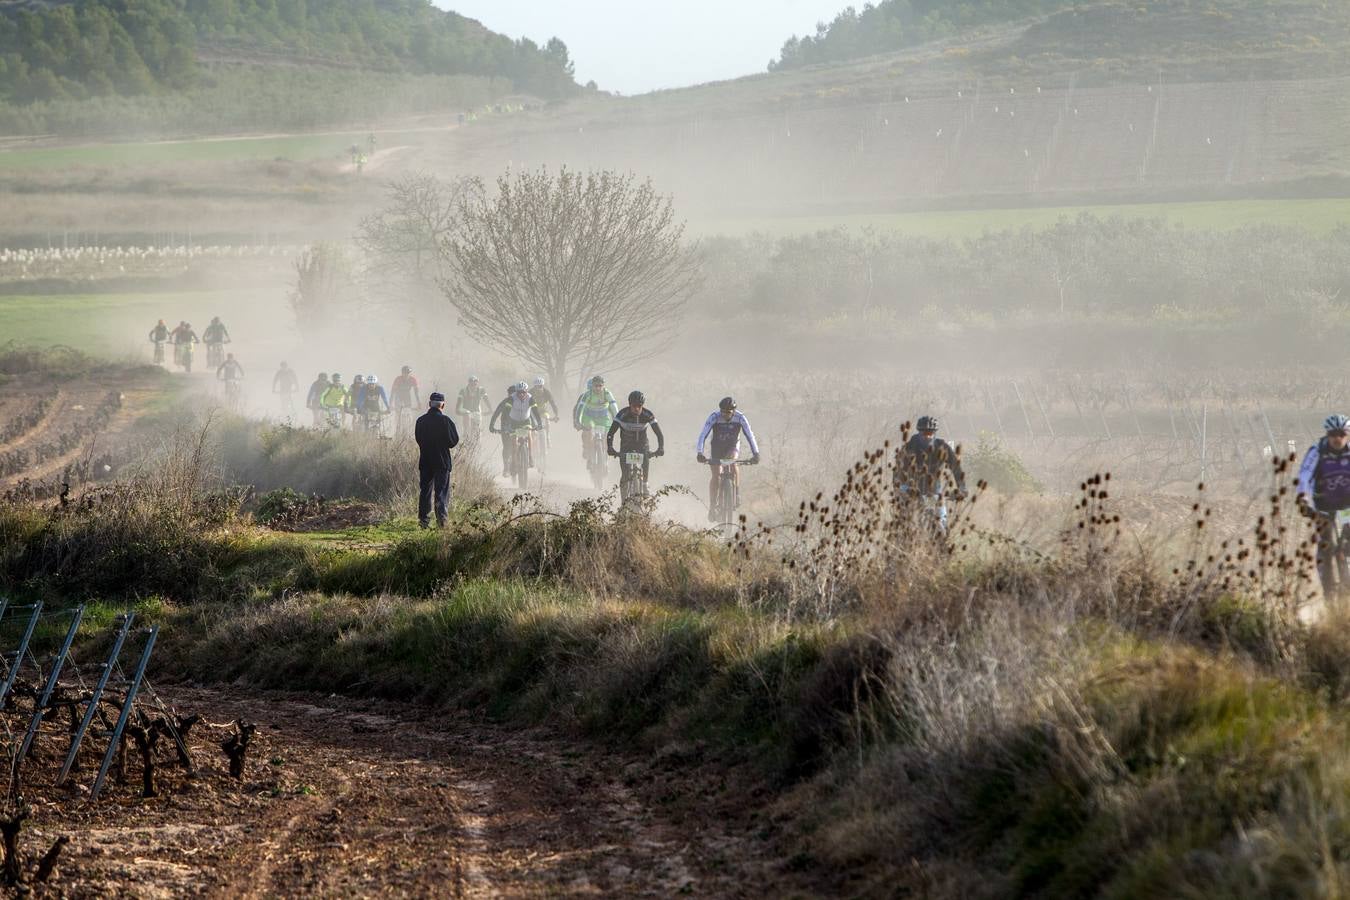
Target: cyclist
334	401
1324	490
183	336
925	465
231	373
596	408
405	391
543	398
356	399
373	398
472	404
314	399
286	384
632	423
516	411
725	427
158	335
215	337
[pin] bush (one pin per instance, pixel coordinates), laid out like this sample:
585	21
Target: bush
1000	468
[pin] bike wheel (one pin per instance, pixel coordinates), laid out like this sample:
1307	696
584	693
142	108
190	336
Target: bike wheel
726	501
522	464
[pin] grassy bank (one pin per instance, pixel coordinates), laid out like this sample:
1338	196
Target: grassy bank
984	722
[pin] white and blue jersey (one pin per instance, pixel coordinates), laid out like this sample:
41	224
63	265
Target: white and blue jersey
726	436
1324	477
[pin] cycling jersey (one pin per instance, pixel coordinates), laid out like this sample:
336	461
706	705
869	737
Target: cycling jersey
632	430
515	413
285	381
185	336
230	370
372	397
159	333
403	388
543	399
334	397
1324	477
595	410
315	397
471	400
216	334
919	464
356	396
726	436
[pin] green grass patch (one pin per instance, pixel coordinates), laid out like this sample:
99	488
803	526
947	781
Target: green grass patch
1317	216
108	325
298	148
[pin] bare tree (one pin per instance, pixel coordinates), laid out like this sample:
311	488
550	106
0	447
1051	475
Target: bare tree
323	294
569	272
403	241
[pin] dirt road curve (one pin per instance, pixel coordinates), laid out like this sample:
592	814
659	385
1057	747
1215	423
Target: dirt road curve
345	798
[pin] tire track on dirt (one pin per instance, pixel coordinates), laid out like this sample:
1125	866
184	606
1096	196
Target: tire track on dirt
361	798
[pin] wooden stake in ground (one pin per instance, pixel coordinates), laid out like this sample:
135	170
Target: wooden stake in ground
236	746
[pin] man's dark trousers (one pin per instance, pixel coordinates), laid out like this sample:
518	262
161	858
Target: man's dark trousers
435	492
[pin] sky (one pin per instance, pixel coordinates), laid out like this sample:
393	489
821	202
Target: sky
632	46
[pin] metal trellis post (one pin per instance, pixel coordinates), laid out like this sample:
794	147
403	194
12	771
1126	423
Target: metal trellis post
127	705
41	706
13	672
92	708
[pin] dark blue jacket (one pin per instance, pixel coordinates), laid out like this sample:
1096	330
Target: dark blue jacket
436	436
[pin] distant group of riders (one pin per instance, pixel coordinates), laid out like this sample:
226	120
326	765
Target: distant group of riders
523	417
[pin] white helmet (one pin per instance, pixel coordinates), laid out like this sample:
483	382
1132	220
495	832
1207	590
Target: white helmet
371	379
539	381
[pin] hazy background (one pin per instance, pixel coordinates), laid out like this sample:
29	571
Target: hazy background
635	47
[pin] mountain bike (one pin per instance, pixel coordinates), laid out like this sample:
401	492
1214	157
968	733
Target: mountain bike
543	442
1333	553
520	455
333	417
405	420
234	396
159	352
633	481
183	354
597	461
215	354
372	421
728	491
287	401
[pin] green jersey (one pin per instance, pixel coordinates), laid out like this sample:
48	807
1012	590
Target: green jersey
595	409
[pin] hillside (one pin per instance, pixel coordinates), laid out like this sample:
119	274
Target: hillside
1157	100
1100	42
54	51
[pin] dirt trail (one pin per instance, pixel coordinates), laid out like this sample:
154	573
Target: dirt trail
351	798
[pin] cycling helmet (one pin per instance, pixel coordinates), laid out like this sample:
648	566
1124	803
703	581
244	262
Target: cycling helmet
283	365
1336	422
521	386
407	370
638	397
371	379
473	379
323	376
337	379
596	380
726	404
161	321
926	423
357	379
539	381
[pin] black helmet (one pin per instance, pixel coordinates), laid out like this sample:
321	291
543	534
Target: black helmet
926	423
407	370
726	403
638	397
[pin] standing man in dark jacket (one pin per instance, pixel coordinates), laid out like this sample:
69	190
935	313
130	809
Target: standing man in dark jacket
436	436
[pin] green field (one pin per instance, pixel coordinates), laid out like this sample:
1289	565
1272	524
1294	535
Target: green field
1317	216
297	148
107	325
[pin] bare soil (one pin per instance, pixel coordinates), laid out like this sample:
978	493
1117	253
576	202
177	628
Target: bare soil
348	798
